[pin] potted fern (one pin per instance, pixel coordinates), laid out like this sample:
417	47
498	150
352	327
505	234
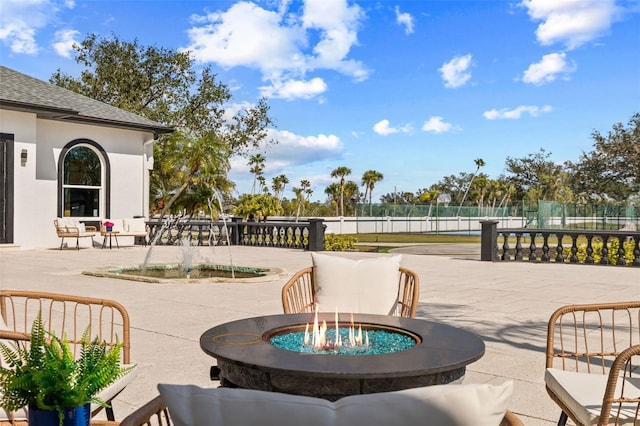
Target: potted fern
56	387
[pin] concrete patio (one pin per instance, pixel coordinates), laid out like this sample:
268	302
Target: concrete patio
507	304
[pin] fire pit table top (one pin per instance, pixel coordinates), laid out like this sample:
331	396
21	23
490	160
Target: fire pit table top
242	348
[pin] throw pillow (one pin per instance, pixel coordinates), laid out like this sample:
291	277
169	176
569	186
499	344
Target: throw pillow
443	405
356	286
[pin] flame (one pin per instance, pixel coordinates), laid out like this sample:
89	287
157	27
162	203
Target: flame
316	338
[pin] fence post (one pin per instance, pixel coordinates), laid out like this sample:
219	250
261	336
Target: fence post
489	240
316	235
237	230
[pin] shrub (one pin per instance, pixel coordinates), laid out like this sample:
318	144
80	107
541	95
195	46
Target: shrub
339	242
612	251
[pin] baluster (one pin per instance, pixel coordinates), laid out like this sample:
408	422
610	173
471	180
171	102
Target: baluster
170	239
199	235
605	250
574	249
278	241
636	252
559	247
518	246
260	236
270	237
301	237
505	247
589	259
532	247
285	236
620	261
296	237
546	257
254	235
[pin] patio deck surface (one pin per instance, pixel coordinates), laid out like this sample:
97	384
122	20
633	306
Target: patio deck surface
507	304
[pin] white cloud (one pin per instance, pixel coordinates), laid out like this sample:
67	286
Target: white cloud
64	41
294	150
436	125
455	73
20	21
284	45
294	89
571	22
516	113
383	128
548	69
246	35
405	19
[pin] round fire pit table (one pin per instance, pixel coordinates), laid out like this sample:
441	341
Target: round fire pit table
246	359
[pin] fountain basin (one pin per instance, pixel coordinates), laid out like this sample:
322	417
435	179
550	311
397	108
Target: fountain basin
167	273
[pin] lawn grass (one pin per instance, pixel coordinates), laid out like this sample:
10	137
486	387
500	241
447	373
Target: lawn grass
405	238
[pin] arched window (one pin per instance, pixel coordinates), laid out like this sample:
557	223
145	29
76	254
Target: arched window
82	180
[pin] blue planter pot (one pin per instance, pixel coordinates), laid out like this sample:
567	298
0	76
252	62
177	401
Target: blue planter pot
109	228
78	416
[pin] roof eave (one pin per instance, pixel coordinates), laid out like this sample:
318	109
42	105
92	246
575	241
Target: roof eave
66	114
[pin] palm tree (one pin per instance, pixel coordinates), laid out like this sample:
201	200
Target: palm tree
257	166
262	181
341	172
278	184
333	191
202	160
352	194
479	163
369	180
306	187
299	192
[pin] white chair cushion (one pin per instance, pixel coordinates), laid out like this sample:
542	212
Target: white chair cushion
71	224
582	393
444	405
358	286
135	225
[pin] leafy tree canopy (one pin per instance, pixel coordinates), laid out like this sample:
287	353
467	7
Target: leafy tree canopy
612	170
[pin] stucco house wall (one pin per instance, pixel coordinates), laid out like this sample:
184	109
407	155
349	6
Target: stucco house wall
35	182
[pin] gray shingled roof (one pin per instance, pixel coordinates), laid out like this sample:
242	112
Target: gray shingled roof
24	93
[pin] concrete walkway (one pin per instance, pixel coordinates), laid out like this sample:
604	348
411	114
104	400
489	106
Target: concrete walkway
507	304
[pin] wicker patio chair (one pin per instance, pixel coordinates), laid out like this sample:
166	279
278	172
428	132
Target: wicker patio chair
156	413
68	227
298	293
592	363
69	316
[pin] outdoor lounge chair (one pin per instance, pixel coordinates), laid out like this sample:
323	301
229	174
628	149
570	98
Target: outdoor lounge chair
156	413
69	227
300	293
69	316
593	359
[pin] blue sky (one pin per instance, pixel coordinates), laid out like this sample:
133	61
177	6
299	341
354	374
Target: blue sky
413	89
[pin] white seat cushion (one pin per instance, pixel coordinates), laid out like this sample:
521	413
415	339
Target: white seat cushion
358	286
445	405
582	393
135	225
